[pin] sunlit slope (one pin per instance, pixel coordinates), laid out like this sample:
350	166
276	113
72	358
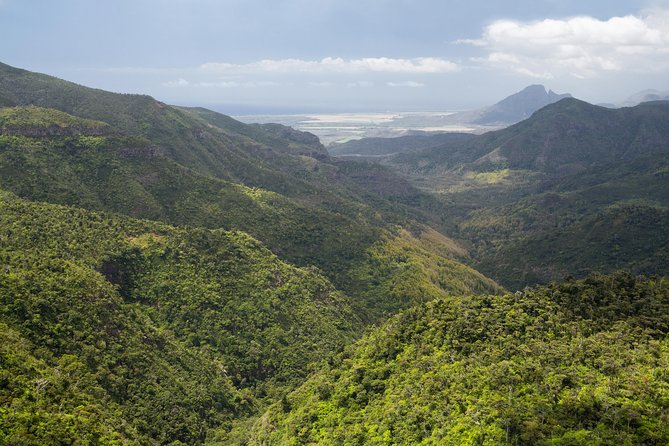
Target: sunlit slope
137	331
574	363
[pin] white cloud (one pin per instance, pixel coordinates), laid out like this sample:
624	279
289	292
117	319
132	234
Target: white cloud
579	46
410	84
420	65
177	83
360	84
235	84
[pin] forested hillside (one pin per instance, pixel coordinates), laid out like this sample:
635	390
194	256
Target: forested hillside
200	168
120	329
583	362
128	331
573	190
169	275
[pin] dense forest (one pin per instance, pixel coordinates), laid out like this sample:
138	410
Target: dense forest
170	275
573	190
582	362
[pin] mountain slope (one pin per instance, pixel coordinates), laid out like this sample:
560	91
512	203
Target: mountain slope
200	168
575	189
157	333
564	137
575	363
518	106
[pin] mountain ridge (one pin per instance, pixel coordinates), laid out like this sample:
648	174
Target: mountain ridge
510	110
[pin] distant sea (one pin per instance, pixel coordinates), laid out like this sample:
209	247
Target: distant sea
342	127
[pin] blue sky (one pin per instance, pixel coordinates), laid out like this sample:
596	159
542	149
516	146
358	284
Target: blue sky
342	55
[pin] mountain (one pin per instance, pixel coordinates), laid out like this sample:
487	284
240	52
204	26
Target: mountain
517	107
513	109
644	96
563	138
192	166
573	190
582	362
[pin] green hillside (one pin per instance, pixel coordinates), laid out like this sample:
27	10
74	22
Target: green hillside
132	330
560	139
190	166
573	190
169	275
575	363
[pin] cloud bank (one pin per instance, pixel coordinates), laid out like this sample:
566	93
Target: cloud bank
583	47
420	65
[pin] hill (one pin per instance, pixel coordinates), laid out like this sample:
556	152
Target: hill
190	166
121	331
573	363
561	138
518	107
575	189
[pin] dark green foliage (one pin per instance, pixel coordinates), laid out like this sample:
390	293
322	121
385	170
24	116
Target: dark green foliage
573	190
604	219
575	363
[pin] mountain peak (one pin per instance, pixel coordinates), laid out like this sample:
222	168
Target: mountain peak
519	105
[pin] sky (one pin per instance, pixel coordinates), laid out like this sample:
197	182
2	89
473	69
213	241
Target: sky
296	56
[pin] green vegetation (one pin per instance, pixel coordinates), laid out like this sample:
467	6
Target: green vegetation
576	363
309	210
46	122
130	330
573	190
407	268
169	274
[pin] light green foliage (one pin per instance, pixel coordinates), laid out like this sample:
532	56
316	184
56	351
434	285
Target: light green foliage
577	363
53	400
405	269
163	325
46	122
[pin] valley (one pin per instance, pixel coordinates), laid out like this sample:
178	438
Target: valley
172	275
